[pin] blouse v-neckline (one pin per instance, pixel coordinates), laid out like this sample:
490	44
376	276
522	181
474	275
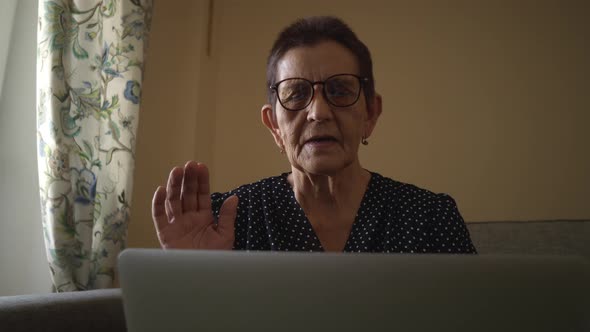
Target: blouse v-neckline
307	224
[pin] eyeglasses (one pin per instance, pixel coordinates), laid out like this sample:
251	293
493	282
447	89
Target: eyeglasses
340	90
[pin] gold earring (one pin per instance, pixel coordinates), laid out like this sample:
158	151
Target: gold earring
364	141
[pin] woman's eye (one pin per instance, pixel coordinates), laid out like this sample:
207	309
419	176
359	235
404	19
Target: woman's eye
338	89
295	94
342	92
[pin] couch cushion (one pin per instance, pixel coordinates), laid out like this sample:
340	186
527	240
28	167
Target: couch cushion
559	237
95	310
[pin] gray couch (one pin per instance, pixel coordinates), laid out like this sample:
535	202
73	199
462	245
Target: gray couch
95	310
102	310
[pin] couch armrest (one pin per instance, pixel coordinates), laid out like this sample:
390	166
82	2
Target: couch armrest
95	310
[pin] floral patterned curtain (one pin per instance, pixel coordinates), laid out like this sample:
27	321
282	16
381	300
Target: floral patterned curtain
90	59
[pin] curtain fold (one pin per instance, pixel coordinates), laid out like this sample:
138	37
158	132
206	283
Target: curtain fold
90	59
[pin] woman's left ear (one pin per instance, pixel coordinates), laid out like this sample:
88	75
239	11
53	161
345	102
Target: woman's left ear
373	112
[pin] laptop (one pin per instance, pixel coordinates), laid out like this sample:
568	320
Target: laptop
182	290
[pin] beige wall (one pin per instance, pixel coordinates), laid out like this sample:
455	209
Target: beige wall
167	134
485	100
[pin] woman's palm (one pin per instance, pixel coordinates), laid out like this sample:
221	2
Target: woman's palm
182	212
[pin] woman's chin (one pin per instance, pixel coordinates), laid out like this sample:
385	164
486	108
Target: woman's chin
328	166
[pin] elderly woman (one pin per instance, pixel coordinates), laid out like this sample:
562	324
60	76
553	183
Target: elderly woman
322	106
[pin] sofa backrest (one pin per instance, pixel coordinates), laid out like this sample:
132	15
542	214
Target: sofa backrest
557	237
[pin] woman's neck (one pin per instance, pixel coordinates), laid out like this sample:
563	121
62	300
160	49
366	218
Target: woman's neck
343	189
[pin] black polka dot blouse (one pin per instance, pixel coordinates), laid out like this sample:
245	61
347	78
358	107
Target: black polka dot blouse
393	217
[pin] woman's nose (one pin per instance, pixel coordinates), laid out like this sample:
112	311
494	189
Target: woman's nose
319	109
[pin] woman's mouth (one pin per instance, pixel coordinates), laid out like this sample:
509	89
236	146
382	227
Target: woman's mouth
321	141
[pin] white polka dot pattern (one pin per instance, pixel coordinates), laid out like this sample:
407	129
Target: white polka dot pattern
393	217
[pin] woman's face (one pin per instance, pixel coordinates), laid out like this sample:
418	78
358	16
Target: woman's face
320	139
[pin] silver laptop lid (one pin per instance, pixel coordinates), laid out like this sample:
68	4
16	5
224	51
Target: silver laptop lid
270	291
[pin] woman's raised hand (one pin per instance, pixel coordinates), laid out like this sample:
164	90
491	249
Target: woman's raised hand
182	212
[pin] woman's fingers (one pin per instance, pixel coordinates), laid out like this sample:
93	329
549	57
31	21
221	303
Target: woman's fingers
190	185
227	217
159	210
182	210
173	188
203	195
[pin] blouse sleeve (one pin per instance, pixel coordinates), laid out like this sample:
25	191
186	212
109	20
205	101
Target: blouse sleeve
216	200
447	230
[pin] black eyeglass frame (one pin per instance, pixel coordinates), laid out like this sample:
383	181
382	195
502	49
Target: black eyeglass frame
362	82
